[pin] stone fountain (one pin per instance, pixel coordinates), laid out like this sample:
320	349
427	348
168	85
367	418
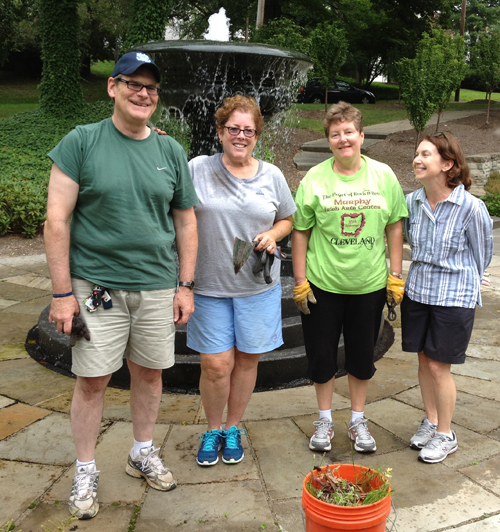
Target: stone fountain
196	77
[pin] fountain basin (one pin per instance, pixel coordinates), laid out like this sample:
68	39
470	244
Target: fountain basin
198	75
285	367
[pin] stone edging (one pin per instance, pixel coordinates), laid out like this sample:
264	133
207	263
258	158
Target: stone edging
482	165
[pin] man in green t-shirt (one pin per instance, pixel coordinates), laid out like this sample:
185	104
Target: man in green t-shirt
118	197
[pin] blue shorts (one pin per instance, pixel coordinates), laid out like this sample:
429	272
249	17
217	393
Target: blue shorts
252	324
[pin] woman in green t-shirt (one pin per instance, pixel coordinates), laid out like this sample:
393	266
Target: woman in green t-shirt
345	207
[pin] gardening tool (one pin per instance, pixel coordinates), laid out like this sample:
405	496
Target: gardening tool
241	252
243	249
391	311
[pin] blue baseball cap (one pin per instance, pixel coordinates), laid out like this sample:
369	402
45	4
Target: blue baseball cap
131	61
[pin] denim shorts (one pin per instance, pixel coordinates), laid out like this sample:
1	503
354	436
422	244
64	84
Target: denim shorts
252	324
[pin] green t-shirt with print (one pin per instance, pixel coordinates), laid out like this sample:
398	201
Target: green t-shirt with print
347	216
122	229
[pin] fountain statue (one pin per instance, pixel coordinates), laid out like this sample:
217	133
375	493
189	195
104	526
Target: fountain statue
196	77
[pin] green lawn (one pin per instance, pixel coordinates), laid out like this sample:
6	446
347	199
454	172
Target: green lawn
466	94
18	95
22	95
379	114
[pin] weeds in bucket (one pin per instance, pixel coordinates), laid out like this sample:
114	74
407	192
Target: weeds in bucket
369	487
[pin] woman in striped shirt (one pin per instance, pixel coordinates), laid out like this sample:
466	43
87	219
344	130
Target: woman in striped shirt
450	234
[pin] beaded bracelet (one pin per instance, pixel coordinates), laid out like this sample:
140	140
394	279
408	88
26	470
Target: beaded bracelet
63	295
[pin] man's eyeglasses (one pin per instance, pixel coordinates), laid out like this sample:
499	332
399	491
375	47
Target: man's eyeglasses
137	87
249	133
439	135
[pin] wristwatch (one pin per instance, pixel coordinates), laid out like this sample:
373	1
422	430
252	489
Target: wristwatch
187	284
398	275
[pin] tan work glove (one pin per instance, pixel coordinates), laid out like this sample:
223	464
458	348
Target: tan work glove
395	290
301	295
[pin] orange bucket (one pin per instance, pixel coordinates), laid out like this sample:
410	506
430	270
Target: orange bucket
324	517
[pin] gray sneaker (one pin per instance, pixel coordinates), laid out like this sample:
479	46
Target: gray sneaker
83	501
321	439
424	434
438	448
359	433
148	465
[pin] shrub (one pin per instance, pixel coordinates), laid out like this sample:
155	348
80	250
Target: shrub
492	201
25	140
383	91
177	128
493	184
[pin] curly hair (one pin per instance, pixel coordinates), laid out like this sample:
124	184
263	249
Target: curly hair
245	104
449	149
343	112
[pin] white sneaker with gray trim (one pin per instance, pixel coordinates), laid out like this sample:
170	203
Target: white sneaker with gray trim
322	437
149	465
424	434
364	442
438	448
83	501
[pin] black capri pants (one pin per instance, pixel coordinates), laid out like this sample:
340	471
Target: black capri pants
358	316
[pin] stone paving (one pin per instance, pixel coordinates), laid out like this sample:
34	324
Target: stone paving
264	491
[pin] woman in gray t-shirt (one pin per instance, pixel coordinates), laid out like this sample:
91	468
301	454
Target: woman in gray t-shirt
237	317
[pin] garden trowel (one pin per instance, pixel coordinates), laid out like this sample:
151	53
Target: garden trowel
241	252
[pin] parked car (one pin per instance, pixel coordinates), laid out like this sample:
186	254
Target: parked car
314	92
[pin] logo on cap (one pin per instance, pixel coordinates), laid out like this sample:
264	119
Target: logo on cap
143	57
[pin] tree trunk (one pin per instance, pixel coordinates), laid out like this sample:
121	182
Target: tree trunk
60	89
326	99
438	120
85	66
488	111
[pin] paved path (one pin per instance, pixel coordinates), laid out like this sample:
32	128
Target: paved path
264	491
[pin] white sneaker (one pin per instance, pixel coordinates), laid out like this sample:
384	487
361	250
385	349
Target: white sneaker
149	465
364	442
83	501
321	439
438	448
424	434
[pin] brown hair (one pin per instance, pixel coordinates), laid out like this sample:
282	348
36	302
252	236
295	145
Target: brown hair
449	149
343	112
245	104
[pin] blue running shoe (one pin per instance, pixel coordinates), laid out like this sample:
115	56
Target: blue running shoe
233	450
211	443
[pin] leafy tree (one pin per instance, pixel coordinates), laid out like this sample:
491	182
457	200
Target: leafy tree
328	51
148	22
449	65
428	80
60	89
481	15
485	59
418	79
6	28
283	32
103	25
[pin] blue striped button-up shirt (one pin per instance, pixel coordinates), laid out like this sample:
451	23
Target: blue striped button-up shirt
450	248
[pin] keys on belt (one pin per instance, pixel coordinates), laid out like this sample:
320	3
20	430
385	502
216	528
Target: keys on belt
99	296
